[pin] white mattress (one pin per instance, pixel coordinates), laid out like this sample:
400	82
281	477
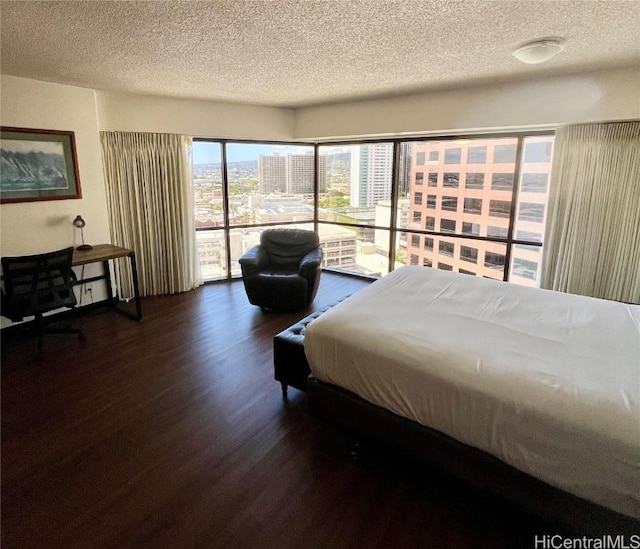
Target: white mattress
547	382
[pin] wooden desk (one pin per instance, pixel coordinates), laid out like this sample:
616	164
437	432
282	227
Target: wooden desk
103	253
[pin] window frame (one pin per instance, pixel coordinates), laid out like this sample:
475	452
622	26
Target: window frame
392	228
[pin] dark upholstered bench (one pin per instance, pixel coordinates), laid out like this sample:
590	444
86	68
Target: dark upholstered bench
289	361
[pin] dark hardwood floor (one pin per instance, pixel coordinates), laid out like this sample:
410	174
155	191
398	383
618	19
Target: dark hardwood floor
171	432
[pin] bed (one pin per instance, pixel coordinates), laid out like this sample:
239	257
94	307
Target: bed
535	394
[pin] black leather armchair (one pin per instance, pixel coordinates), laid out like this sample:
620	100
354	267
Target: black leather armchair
282	273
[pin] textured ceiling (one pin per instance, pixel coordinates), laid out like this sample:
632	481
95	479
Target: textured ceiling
294	53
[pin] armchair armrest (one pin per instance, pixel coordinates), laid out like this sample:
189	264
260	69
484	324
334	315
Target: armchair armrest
253	260
312	260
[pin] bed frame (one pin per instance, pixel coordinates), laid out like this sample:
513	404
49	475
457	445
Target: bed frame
574	515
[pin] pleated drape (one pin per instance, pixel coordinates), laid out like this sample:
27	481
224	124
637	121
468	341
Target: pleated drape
592	242
151	210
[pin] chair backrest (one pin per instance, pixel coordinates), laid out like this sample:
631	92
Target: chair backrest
35	284
287	247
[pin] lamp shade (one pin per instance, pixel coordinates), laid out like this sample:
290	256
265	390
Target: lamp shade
80	224
538	51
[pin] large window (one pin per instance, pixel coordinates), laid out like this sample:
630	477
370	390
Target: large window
475	202
374	215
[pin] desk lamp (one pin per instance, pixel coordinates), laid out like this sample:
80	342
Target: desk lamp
80	223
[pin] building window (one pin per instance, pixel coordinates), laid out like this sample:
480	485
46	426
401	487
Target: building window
433	179
504	154
444	267
497	232
473	205
499	208
494	261
415	240
417	217
434	156
530	211
468	254
477	155
465	272
452	156
417	199
471	228
534	182
524	268
430	223
415	260
419	178
428	244
529	236
502	182
420	159
447	226
431	201
474	181
537	152
446	248
450	203
426	262
451	180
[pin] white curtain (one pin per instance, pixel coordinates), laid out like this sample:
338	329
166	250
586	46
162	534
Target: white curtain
151	210
592	241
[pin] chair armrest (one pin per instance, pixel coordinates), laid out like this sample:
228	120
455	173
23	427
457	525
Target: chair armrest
312	260
253	260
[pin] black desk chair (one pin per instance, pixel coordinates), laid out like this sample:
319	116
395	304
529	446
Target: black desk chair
36	284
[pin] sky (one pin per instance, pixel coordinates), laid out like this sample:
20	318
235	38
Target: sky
206	152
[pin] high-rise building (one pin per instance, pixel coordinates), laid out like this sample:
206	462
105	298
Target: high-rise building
300	170
291	173
405	168
371	174
271	174
465	188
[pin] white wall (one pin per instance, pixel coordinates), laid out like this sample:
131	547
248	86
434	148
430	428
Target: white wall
33	227
587	97
139	113
43	226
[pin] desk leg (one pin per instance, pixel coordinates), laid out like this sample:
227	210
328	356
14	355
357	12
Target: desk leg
136	289
107	277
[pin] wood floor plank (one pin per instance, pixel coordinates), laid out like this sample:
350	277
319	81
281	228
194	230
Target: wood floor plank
171	432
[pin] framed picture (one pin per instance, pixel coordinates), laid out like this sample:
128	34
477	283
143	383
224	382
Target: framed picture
37	165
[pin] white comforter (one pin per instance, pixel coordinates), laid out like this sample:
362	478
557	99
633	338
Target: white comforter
547	382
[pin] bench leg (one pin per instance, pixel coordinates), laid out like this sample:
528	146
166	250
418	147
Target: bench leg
284	389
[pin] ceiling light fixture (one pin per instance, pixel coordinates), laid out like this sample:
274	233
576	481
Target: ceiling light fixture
539	51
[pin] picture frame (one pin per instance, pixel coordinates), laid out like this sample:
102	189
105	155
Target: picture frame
38	165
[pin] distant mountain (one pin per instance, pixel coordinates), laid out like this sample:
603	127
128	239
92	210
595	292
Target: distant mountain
344	157
242	165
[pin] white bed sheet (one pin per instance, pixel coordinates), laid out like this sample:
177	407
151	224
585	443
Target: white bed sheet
547	382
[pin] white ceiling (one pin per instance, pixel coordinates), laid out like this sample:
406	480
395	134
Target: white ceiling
293	53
